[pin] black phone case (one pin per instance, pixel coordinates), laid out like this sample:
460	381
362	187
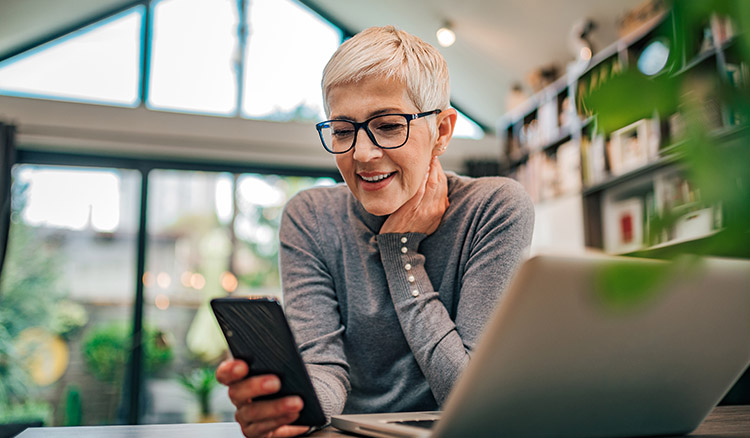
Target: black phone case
258	333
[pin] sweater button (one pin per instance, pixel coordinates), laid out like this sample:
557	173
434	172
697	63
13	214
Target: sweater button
404	249
411	279
415	293
407	267
404	239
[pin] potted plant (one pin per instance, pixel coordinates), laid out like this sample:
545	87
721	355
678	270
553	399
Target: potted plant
200	382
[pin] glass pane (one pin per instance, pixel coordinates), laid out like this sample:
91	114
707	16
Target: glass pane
193	56
67	294
284	60
467	128
210	234
100	64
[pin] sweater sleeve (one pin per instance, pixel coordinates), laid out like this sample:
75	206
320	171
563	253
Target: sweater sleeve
311	306
442	346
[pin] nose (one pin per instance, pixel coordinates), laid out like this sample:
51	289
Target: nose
364	149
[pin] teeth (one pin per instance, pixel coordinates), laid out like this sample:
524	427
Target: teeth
376	178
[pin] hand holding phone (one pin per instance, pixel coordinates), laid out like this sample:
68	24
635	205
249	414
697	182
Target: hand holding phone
257	332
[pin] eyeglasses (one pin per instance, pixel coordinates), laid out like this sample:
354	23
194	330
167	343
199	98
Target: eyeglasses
386	131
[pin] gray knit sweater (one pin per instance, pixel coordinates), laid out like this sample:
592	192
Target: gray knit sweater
388	322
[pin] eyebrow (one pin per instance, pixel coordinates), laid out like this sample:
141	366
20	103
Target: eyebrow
372	114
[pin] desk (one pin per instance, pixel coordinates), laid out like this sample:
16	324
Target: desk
723	422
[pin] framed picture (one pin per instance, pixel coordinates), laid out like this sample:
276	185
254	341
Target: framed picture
633	146
623	230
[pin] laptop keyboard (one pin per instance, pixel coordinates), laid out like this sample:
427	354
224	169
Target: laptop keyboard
424	424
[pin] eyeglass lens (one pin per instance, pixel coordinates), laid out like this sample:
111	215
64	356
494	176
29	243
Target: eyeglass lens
389	131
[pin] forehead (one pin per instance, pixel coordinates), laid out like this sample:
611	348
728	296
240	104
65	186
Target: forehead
360	99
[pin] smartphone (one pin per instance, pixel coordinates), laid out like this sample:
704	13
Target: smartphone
257	332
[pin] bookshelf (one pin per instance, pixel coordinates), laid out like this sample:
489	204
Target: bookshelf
629	165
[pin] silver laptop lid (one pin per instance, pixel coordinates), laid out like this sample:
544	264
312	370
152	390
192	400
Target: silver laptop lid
606	347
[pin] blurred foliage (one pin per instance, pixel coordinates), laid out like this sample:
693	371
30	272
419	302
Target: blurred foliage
106	350
73	407
628	286
632	96
28	411
29	292
631	287
716	162
200	382
68	318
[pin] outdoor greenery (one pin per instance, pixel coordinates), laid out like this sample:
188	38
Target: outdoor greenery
106	350
29	292
200	382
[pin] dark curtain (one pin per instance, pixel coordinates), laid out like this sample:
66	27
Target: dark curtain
7	159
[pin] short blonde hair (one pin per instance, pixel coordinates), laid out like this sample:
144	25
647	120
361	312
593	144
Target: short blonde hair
394	54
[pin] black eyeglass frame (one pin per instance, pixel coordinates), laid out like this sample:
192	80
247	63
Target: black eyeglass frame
357	125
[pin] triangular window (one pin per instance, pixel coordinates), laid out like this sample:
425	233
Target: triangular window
98	64
287	47
194	56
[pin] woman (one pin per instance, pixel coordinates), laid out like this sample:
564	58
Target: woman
388	280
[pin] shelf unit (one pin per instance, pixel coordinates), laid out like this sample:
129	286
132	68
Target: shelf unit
633	178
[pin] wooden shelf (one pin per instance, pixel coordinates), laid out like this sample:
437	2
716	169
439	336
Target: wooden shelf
633	174
560	139
700	245
696	61
654	183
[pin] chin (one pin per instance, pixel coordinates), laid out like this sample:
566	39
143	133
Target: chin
378	209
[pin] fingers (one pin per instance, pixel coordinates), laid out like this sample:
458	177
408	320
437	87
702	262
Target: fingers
266	410
261	417
230	371
290	431
245	390
437	190
266	428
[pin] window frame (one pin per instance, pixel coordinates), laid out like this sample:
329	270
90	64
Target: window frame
133	386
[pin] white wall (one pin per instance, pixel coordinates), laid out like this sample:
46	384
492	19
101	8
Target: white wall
558	226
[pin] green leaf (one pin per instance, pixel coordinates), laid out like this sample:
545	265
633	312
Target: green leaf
631	96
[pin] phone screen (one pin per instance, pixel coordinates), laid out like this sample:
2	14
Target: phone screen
257	332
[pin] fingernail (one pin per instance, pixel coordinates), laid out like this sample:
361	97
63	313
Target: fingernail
238	369
294	402
272	384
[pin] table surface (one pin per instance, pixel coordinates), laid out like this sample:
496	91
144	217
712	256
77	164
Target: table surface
723	422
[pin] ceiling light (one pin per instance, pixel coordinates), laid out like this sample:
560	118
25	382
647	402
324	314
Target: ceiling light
585	53
445	35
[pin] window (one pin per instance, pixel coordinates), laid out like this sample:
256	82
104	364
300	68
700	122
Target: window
467	128
284	60
194	63
194	56
98	64
211	234
67	293
67	301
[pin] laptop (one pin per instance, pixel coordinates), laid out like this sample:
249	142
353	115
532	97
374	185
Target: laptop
595	346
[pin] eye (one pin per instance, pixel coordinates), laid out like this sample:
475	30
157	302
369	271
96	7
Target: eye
342	133
390	127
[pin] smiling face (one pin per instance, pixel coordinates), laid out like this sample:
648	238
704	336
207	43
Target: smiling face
382	180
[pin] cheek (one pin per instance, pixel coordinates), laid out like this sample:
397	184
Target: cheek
343	164
414	169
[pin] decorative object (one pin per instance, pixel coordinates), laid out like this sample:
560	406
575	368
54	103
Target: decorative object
200	382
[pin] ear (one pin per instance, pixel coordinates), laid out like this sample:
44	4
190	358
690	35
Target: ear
446	121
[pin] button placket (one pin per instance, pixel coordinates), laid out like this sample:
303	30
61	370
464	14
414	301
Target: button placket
410	278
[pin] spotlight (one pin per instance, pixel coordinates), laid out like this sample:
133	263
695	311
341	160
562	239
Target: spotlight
445	35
